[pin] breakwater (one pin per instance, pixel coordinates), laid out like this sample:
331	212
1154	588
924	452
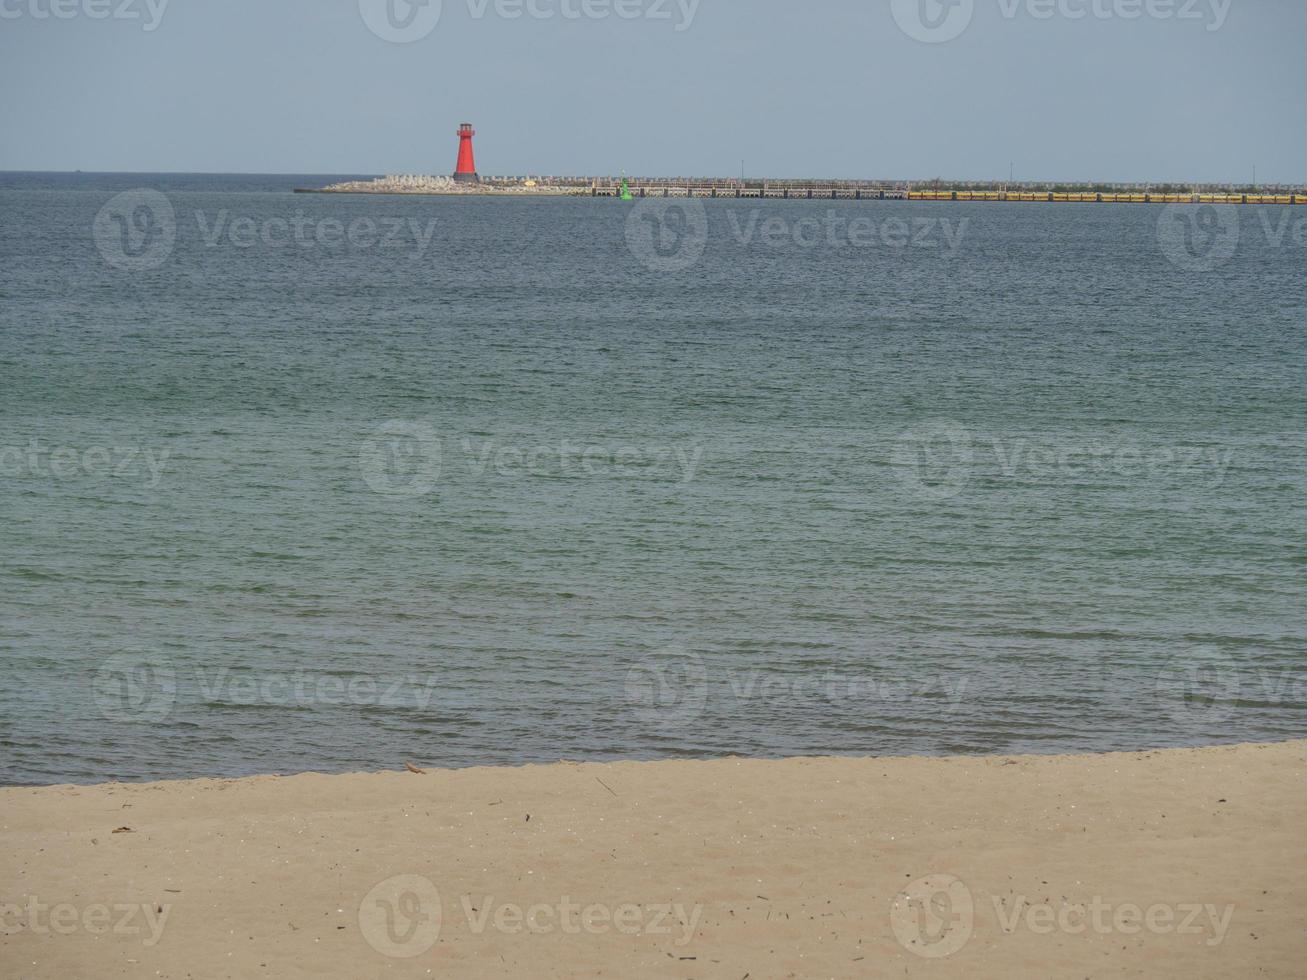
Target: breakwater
420	184
865	190
804	191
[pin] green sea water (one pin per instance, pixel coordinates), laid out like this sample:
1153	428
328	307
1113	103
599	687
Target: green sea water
294	482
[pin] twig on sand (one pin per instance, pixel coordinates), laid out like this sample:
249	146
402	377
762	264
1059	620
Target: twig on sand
604	785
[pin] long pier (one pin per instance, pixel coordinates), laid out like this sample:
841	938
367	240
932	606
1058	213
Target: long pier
879	190
831	190
826	192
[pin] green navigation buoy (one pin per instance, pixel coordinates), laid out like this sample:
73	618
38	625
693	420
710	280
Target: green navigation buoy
626	191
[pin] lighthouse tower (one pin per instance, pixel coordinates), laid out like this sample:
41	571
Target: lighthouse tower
466	171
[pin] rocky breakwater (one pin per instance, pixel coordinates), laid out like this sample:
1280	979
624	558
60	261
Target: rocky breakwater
420	184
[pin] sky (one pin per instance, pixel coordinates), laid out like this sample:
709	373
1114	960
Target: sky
1111	90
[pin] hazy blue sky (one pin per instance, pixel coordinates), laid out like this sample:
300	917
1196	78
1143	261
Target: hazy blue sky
1131	89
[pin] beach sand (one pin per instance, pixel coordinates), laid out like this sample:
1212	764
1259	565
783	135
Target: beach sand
1158	864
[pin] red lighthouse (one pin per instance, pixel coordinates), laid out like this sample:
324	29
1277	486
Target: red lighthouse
466	171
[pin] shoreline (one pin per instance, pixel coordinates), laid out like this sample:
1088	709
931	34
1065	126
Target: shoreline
429	769
1177	862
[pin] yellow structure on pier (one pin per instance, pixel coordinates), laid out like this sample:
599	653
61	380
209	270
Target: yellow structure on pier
1103	198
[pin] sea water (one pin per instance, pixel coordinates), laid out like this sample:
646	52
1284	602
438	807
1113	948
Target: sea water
315	482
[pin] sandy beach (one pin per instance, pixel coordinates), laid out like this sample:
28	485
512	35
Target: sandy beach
1178	863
